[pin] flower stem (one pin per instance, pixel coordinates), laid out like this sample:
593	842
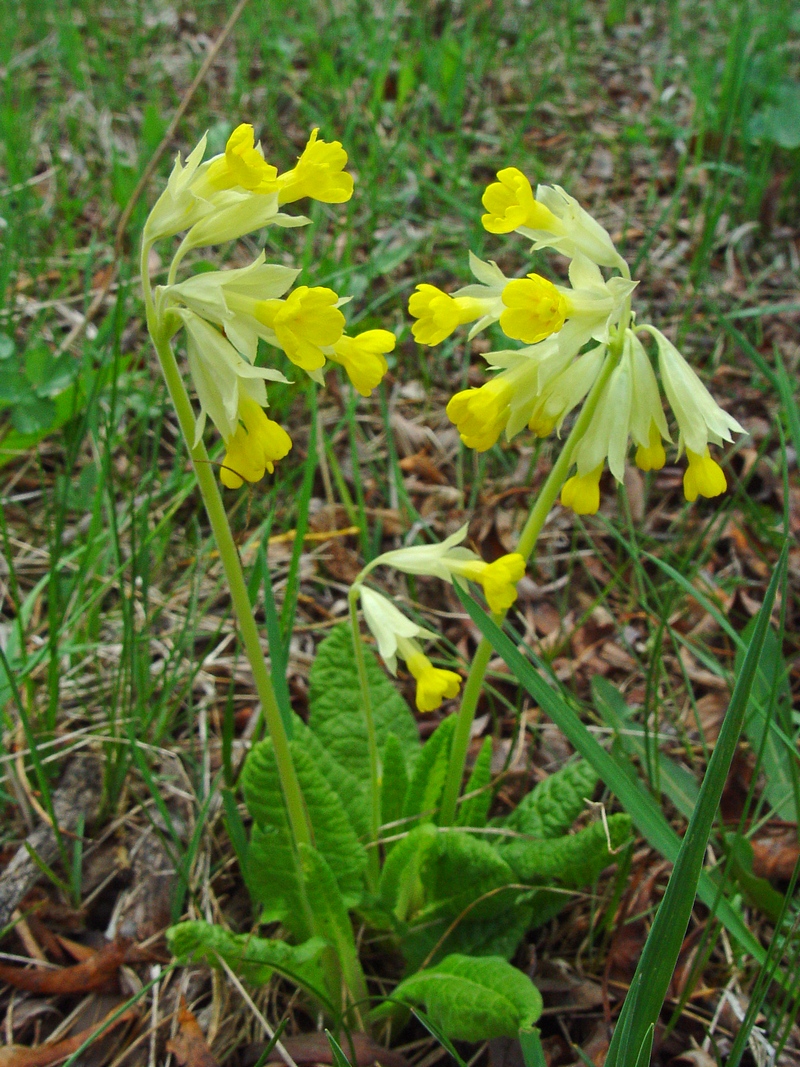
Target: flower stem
373	870
229	556
527	542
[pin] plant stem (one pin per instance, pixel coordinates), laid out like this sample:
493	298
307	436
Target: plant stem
527	542
375	776
229	556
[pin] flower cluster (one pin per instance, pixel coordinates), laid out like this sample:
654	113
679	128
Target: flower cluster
571	335
226	313
396	634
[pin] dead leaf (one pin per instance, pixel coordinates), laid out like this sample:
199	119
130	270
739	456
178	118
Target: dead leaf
305	1049
421	465
98	972
776	856
45	1055
189	1045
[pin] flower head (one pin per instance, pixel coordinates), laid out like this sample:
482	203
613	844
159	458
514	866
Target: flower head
304	324
438	313
510	205
242	164
363	357
395	634
534	309
703	477
255	446
319	174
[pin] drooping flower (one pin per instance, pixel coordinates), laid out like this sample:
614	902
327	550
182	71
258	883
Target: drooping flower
395	634
448	559
364	357
255	446
318	173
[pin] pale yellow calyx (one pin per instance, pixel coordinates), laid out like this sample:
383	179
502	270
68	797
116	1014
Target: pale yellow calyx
242	164
581	492
434	684
305	323
254	448
319	174
703	476
438	313
363	357
498	579
534	309
510	204
482	414
651	457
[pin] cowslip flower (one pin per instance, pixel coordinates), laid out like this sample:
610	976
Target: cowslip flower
363	357
395	635
448	560
553	219
232	394
319	173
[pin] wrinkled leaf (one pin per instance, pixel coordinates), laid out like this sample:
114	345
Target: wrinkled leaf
554	804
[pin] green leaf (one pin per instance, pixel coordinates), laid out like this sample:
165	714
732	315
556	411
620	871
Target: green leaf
335	714
7	346
530	1042
474	998
272	859
255	959
474	810
400	878
351	792
471	900
427	781
33	415
395	782
767	711
554	804
779	122
757	890
573	861
14	386
48	374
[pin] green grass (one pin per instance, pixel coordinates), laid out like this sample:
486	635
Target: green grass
113	595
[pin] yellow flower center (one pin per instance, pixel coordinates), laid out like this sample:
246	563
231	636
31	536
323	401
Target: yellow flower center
651	457
438	313
581	492
433	683
534	309
363	357
319	173
304	324
242	164
254	448
703	476
510	204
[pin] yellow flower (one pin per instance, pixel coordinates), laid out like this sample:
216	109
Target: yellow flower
363	357
242	164
439	313
255	446
534	309
498	579
581	492
510	204
319	173
433	683
703	477
482	414
303	324
651	457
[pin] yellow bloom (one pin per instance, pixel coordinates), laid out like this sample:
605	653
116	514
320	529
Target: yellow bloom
581	492
363	357
439	313
703	477
498	579
433	683
651	457
303	324
242	164
255	446
319	173
510	204
482	414
534	309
